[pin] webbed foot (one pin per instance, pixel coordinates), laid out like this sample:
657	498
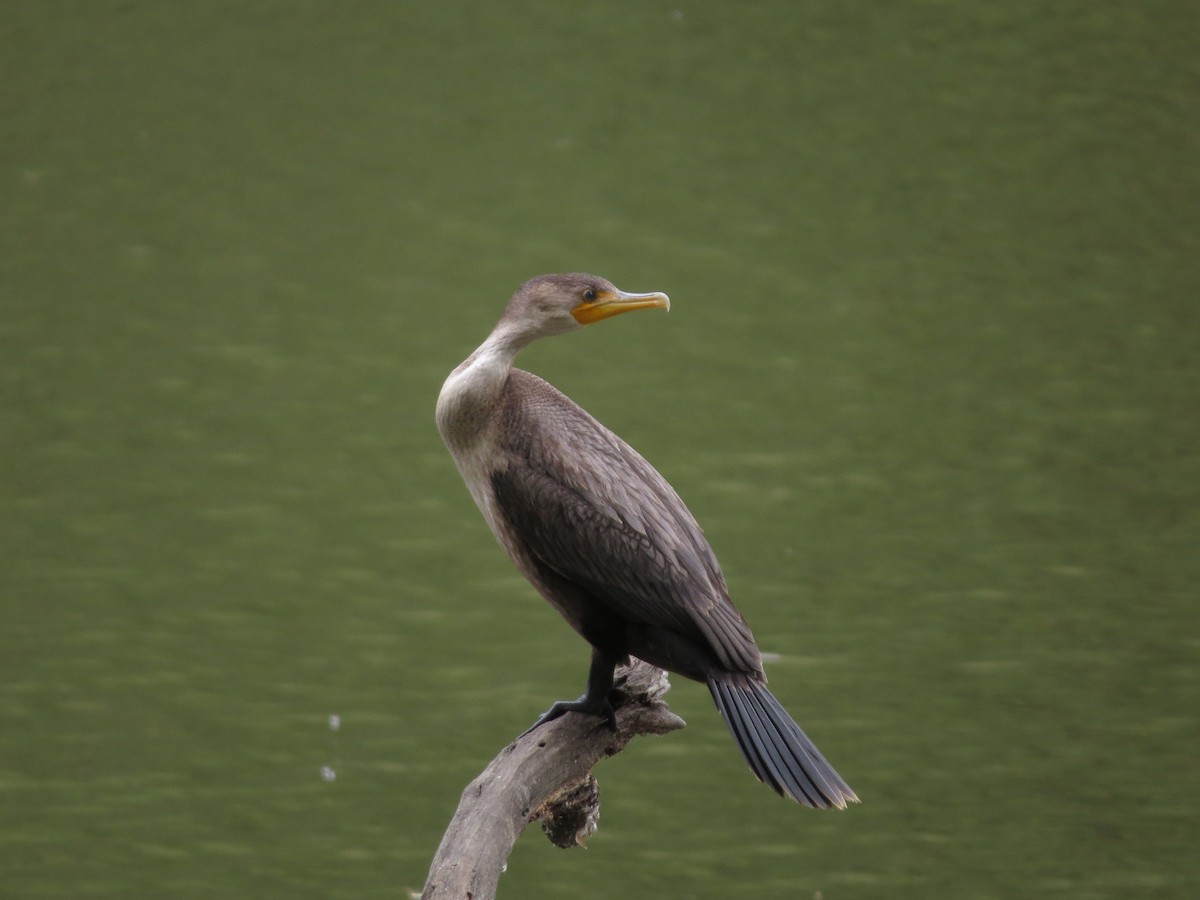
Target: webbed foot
584	704
595	700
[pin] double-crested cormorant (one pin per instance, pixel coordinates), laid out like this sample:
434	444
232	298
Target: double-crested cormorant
606	539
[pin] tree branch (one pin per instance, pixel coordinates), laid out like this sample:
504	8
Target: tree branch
544	775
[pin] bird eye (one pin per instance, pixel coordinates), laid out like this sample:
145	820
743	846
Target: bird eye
589	295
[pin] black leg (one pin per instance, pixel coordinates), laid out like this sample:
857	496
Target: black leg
594	701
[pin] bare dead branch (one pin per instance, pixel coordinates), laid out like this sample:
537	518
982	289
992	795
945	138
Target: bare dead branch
545	775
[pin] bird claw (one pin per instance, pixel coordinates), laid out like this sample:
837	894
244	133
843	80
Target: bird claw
608	716
606	713
548	716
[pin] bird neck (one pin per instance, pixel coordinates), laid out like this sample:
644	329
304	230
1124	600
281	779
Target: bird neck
487	368
471	393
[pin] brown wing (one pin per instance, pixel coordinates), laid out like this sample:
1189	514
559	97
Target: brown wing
588	506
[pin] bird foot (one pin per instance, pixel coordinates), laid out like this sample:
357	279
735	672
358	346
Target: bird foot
583	705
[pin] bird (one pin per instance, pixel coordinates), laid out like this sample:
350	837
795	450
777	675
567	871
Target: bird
606	540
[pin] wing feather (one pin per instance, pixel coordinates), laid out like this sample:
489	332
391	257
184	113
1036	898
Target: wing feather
591	508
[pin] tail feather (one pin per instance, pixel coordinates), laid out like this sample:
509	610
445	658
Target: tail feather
784	748
759	741
777	751
747	741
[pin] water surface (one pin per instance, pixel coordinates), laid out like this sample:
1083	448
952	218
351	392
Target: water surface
929	383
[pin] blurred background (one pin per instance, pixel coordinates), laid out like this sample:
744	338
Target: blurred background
929	382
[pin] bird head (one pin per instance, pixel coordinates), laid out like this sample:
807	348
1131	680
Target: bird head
556	304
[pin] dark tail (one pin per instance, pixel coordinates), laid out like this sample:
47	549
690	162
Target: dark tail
779	753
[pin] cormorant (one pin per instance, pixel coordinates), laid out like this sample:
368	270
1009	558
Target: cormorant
603	536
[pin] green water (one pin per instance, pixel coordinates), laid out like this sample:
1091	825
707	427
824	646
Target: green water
930	382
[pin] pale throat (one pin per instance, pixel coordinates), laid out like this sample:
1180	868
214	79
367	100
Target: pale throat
471	392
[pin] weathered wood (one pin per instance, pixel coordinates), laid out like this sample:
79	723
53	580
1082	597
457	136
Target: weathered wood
545	775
